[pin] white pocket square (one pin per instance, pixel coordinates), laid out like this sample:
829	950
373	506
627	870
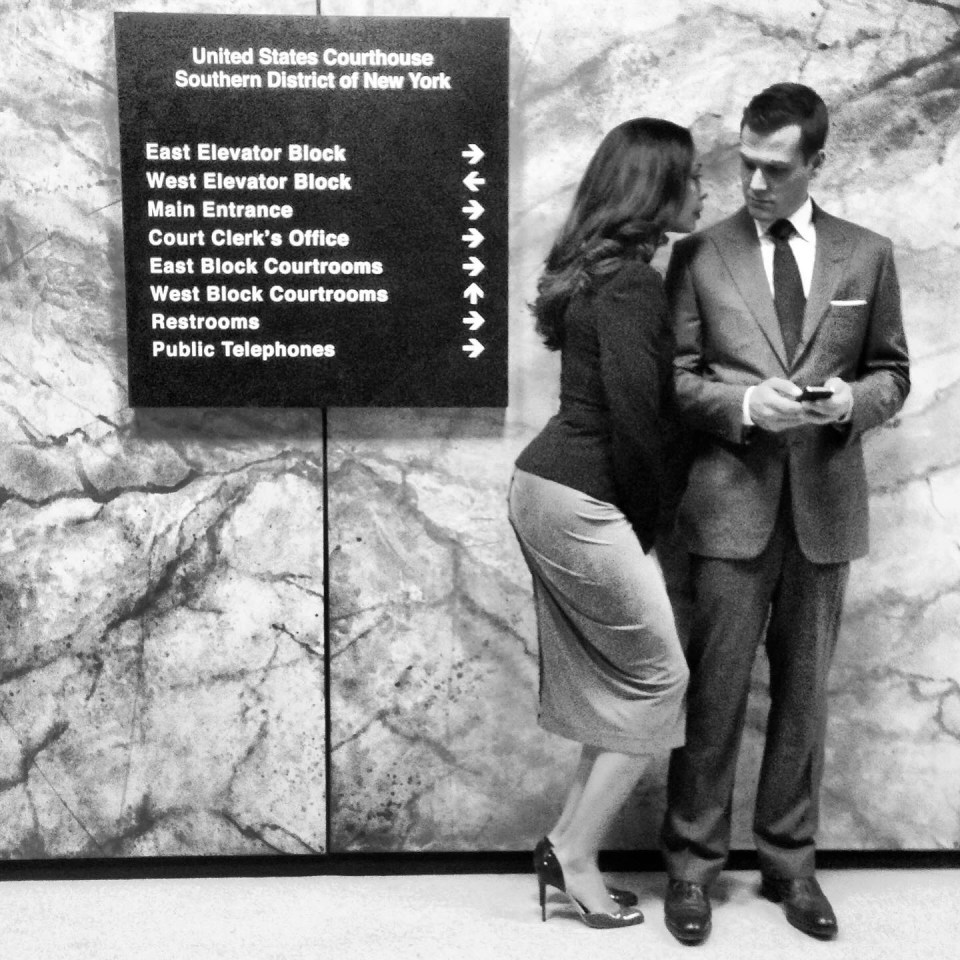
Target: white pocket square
848	303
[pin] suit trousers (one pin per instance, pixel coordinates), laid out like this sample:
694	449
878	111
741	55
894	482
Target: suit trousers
796	606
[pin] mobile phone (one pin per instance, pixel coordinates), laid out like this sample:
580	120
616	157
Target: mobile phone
812	394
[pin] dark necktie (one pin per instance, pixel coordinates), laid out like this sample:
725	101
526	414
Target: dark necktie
788	298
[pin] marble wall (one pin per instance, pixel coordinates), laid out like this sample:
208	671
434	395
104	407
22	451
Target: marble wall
163	656
433	671
161	573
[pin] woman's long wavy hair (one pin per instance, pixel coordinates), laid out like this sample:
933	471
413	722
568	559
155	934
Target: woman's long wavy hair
632	189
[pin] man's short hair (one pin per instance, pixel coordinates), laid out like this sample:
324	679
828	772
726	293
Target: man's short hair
785	104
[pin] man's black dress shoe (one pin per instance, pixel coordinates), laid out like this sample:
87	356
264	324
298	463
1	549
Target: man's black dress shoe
686	911
804	903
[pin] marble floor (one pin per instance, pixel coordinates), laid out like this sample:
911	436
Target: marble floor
897	914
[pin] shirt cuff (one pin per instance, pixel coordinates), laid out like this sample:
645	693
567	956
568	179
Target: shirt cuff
848	416
747	420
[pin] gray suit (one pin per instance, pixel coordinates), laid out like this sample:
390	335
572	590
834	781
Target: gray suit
771	519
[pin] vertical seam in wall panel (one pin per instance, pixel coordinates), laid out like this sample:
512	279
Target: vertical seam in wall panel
327	718
327	725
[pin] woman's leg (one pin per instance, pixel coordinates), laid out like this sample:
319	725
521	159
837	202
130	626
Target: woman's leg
608	783
611	667
587	756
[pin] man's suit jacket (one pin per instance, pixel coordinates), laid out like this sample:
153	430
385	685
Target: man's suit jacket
728	338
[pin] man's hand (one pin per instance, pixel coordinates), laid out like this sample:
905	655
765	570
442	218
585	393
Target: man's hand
835	409
774	407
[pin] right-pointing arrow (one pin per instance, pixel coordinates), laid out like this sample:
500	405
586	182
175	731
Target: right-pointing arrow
474	210
474	321
473	266
474	348
473	154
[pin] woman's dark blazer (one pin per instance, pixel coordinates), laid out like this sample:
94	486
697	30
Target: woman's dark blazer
606	440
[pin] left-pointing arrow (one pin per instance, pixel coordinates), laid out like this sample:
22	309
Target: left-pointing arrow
473	181
474	348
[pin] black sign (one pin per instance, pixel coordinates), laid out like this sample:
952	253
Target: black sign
314	209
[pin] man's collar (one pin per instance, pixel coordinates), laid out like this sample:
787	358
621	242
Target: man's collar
802	220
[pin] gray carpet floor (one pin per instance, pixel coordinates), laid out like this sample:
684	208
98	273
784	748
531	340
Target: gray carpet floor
895	914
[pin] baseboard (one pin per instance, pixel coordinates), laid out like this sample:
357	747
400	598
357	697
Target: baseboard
391	863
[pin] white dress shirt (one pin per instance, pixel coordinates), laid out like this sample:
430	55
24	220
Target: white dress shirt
803	245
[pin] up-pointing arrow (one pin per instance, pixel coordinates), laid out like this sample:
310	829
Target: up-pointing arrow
473	154
474	348
473	266
473	209
473	293
474	321
473	237
473	181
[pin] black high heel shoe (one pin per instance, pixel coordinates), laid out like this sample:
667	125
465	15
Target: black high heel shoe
623	898
550	873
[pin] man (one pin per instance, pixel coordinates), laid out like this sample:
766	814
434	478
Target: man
778	297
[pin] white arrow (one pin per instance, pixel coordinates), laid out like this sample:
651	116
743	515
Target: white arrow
473	209
473	237
474	267
474	321
473	154
473	293
474	348
473	180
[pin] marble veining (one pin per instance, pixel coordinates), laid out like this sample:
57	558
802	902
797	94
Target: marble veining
164	583
161	573
893	768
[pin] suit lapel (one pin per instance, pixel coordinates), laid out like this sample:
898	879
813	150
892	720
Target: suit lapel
832	253
740	251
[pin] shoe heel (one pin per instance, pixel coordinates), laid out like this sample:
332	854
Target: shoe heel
548	873
770	892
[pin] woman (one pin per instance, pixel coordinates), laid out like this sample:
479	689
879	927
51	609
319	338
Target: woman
585	498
